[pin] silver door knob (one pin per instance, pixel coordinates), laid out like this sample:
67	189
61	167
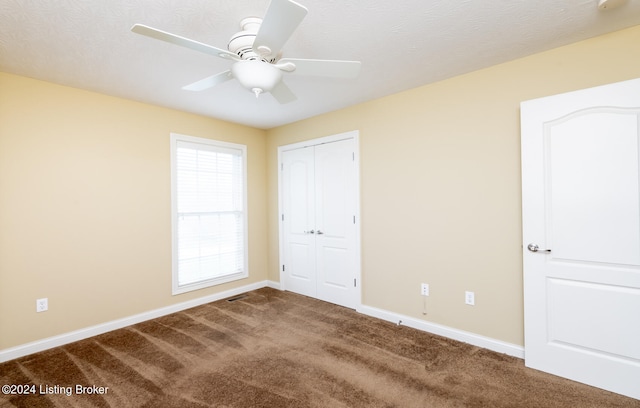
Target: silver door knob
536	248
319	232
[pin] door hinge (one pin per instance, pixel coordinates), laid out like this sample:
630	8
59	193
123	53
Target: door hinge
354	219
282	217
353	156
281	166
354	282
283	268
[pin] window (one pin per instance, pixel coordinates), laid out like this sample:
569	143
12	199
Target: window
209	219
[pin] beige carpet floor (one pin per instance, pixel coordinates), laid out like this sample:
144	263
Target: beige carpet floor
278	349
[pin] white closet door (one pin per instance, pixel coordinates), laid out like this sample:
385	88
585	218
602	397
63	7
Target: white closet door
319	232
335	222
298	179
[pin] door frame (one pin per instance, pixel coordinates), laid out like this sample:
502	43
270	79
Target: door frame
355	135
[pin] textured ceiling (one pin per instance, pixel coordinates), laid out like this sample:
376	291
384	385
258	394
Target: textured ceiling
402	44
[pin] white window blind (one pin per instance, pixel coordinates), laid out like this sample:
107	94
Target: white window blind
209	225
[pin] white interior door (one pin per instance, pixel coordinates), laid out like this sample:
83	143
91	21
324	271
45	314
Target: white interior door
319	232
581	208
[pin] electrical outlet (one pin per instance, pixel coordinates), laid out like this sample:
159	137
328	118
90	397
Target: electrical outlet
469	298
42	305
424	289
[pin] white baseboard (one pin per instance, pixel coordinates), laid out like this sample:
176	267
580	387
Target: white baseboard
273	284
455	334
66	338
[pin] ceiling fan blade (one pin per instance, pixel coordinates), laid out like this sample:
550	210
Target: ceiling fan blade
280	21
322	68
282	93
182	41
209	82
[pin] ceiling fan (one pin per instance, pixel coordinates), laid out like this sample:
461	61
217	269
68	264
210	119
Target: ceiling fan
256	53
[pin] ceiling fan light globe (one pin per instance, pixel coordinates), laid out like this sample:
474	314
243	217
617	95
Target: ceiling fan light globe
255	74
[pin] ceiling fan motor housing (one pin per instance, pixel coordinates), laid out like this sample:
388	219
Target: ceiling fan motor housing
241	43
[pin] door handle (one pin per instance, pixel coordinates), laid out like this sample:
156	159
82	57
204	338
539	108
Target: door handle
319	232
536	248
309	232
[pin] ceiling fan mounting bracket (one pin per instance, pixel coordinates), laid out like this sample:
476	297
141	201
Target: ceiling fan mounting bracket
250	24
286	66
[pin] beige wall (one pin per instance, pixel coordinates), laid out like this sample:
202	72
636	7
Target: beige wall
440	183
85	206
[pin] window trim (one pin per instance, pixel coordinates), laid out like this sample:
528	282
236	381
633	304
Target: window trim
176	288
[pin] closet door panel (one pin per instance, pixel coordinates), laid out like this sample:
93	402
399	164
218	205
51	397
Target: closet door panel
299	220
335	224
